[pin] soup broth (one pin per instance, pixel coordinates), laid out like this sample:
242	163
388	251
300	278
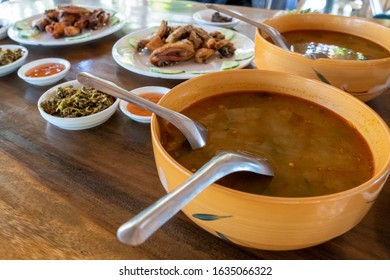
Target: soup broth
336	45
313	150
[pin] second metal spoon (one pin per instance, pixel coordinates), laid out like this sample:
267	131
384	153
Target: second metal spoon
192	130
275	35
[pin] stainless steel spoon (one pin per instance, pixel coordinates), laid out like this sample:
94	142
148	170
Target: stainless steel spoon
274	34
142	226
194	132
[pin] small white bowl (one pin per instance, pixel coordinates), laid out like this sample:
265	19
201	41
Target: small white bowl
46	80
203	17
139	91
9	68
75	123
5	24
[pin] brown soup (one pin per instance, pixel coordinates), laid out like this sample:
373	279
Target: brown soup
313	150
336	45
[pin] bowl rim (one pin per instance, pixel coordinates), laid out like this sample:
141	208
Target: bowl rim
16	62
316	17
380	174
69	121
22	70
142	119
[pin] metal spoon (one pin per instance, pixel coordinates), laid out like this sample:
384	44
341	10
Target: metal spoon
192	130
274	34
142	226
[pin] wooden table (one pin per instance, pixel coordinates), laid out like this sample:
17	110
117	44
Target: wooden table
63	194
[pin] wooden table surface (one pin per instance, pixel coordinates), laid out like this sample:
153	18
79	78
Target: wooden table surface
63	194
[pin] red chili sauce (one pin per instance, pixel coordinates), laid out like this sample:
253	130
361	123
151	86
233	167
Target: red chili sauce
44	70
136	110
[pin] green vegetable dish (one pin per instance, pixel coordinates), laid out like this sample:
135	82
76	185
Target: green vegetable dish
70	102
8	56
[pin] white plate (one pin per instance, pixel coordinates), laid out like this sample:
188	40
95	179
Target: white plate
45	39
125	54
203	17
9	68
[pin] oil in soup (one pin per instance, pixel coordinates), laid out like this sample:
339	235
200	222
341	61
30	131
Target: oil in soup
313	150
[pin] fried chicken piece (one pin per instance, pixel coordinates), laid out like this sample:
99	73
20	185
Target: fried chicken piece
179	34
68	18
202	34
172	52
163	30
142	44
73	9
42	23
225	48
52	14
155	43
56	29
82	22
71	30
157	40
98	18
217	35
195	39
210	44
202	55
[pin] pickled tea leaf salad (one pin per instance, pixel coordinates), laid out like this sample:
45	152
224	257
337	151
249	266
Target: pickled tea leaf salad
70	102
8	56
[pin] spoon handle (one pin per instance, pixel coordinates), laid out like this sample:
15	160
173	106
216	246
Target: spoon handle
142	226
275	35
193	131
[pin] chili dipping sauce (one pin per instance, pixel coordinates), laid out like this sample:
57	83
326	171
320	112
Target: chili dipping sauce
44	70
136	110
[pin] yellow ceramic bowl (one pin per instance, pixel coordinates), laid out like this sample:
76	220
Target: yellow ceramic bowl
363	79
276	223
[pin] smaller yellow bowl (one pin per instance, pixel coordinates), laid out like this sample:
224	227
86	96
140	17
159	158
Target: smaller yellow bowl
363	79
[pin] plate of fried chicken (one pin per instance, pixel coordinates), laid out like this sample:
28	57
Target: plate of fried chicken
182	51
66	25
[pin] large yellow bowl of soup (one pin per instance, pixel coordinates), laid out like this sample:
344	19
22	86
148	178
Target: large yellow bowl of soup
359	51
329	150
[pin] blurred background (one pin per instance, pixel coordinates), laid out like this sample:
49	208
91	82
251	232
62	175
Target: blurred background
363	8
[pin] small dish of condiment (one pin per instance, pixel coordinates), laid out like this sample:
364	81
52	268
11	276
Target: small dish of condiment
44	72
11	58
71	106
136	113
213	18
4	25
